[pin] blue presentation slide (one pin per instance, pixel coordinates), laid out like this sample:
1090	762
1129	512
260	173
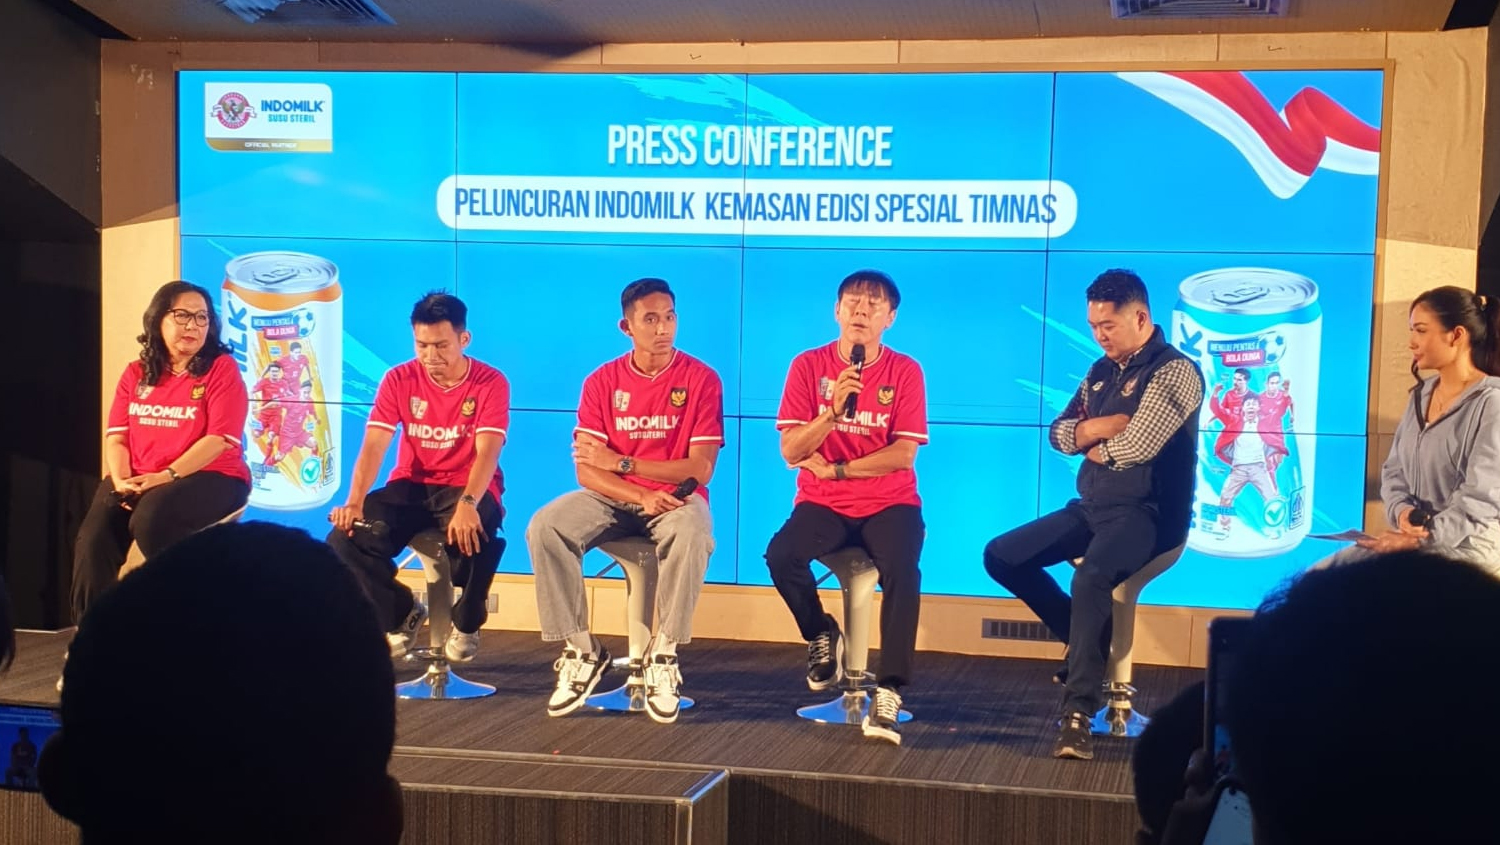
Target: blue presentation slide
322	205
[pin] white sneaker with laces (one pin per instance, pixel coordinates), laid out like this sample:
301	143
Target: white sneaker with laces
663	681
400	640
461	647
576	678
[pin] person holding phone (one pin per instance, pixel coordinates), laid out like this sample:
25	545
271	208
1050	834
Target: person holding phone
1441	481
1338	706
650	426
855	451
172	446
452	411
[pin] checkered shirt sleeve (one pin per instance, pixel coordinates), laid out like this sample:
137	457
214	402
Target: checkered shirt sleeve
1174	392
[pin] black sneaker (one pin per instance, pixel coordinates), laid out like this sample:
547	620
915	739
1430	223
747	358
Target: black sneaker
884	719
825	658
1074	741
576	678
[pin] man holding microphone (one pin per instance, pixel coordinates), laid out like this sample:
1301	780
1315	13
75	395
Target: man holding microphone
852	415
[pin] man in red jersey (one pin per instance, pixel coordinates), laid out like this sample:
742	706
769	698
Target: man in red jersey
294	366
295	429
855	450
268	393
1275	406
648	421
452	411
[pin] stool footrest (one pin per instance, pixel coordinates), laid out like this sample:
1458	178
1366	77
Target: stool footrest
439	683
848	709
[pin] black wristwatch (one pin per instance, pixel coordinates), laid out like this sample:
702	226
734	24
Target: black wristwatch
466	499
627	464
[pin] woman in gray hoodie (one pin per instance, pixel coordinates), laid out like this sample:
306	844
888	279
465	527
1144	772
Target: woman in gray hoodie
1441	481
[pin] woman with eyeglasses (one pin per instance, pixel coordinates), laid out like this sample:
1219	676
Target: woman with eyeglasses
173	445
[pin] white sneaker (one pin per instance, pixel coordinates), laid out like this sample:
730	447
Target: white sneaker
883	721
576	678
400	640
663	680
461	647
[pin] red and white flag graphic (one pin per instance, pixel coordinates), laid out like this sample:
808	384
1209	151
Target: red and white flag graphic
1286	147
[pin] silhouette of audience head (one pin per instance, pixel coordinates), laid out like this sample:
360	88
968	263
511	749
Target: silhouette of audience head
236	689
1161	759
1356	708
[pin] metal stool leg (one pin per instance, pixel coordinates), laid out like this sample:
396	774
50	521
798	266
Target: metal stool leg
857	579
637	559
439	682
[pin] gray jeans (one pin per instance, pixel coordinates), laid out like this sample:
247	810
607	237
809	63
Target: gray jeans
573	523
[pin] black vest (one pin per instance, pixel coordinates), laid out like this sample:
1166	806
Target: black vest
1166	481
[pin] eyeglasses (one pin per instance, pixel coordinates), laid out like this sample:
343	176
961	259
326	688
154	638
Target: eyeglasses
188	318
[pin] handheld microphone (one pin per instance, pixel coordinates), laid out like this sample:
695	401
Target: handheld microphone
685	489
1418	517
857	358
375	528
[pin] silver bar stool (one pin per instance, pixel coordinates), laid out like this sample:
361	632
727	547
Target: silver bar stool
637	559
440	682
857	577
1118	717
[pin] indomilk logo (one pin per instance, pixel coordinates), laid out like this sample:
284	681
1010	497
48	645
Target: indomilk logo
868	419
304	106
176	412
660	422
436	432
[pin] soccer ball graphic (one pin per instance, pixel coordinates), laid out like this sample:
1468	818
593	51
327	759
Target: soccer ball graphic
304	323
1275	346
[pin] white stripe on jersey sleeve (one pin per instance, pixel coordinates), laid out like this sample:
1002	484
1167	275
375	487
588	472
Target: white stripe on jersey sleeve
491	430
119	429
386	426
599	434
705	440
912	435
791	422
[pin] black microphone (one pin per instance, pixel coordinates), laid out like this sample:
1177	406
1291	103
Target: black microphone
1418	517
375	527
686	488
857	358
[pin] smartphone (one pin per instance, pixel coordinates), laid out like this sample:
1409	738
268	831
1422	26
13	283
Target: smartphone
1230	824
24	729
1226	637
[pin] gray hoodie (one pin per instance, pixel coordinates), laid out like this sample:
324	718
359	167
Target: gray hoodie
1451	468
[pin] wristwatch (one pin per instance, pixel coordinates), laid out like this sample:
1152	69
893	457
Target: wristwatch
173	473
466	499
838	471
627	465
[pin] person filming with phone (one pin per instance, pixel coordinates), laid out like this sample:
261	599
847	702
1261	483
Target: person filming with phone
1338	717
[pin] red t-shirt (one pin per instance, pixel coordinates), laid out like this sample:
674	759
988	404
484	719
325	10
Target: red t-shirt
1274	408
653	418
893	406
292	370
161	421
294	425
439	423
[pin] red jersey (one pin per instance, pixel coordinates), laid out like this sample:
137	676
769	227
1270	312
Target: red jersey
893	406
1230	412
439	423
1274	408
294	428
161	421
269	390
654	418
292	370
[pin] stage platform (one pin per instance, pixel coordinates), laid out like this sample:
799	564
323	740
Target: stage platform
975	763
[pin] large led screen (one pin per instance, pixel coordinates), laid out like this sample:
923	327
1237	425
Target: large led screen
321	205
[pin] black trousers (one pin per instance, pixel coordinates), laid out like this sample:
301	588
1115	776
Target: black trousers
162	516
1115	543
409	508
893	537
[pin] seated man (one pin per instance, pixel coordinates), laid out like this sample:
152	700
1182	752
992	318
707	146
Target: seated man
1135	419
648	421
186	718
856	451
453	411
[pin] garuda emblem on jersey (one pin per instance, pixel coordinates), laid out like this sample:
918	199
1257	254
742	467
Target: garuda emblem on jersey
467	409
886	394
678	397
